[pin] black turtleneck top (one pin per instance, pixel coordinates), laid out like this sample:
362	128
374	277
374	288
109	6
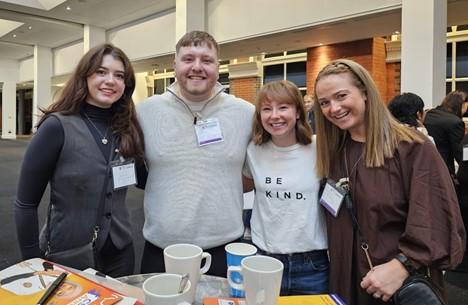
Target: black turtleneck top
39	165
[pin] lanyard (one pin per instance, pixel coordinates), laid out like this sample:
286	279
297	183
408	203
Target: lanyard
349	205
197	114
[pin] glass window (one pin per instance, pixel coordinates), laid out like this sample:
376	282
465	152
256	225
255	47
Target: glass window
463	86
448	87
462	27
462	59
159	87
224	79
296	73
273	72
296	51
171	80
449	60
274	54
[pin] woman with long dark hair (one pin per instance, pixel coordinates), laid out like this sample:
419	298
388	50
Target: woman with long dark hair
444	123
85	148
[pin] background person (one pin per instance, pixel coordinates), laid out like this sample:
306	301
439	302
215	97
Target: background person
309	105
91	126
400	189
445	125
196	140
408	108
462	176
287	221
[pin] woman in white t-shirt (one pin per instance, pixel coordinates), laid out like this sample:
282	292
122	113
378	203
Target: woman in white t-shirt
287	221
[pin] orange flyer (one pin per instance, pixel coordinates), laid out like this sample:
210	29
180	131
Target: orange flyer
25	283
319	299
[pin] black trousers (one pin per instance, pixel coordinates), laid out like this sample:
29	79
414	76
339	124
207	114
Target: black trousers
153	260
115	262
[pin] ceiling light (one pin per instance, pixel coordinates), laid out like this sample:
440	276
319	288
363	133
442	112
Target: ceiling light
30	27
14	35
68	8
320	44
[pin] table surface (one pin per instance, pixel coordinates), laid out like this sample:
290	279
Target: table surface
208	286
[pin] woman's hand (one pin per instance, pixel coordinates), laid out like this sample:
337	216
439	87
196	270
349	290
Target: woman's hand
384	280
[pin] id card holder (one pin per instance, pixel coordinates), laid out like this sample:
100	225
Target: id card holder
208	131
123	173
332	197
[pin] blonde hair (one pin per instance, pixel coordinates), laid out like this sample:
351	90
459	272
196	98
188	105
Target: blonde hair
382	131
286	92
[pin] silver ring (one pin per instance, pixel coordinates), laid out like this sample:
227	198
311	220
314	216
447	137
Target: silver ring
376	295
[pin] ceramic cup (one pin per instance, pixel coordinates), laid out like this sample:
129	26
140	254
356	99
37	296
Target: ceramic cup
262	279
186	258
235	252
162	289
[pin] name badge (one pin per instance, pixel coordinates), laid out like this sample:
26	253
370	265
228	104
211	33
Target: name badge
332	197
465	153
208	132
123	173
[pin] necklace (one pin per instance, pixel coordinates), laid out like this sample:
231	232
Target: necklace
103	137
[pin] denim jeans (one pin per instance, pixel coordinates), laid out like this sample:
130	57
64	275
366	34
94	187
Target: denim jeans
304	273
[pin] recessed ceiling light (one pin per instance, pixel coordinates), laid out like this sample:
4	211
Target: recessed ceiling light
14	35
30	27
320	44
68	8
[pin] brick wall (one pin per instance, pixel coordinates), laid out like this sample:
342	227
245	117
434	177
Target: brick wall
370	53
393	80
245	88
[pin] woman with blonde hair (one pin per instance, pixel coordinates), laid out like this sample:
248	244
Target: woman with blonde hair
287	220
402	215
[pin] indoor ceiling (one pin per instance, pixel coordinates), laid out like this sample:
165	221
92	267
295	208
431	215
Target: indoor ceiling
53	23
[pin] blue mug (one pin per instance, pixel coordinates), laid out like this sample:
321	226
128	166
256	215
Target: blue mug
235	252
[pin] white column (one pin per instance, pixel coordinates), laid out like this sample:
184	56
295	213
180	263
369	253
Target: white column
190	16
42	81
93	36
9	110
20	117
423	49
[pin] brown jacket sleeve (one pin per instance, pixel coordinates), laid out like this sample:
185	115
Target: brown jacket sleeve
434	233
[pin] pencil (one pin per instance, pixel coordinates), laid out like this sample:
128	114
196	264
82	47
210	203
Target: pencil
55	284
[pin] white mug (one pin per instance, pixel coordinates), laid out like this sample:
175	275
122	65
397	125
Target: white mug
186	258
163	289
262	279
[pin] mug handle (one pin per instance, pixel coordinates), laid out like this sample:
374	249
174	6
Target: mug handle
207	265
230	270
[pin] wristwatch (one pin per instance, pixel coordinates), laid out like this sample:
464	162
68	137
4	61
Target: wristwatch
406	263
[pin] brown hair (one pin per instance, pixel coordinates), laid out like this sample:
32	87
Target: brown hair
197	38
383	132
286	92
75	93
453	102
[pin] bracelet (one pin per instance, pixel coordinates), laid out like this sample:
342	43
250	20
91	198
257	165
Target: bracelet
406	263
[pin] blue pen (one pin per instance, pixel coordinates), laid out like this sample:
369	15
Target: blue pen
55	284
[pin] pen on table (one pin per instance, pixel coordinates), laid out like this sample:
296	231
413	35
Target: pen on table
55	284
